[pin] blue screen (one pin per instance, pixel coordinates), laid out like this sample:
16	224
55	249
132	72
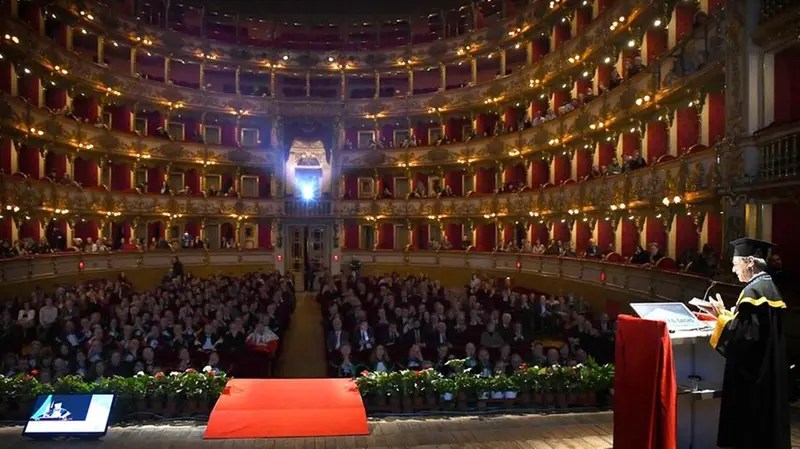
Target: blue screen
70	414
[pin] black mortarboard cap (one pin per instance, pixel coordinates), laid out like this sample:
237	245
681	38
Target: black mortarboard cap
746	247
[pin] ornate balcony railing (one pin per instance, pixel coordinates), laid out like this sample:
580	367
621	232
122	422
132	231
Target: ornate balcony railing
688	176
592	42
42	267
779	157
43	196
308	208
186	46
635	281
17	117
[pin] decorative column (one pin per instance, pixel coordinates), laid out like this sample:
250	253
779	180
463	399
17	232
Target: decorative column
473	64
167	62
133	61
410	82
377	84
308	84
343	86
237	81
529	52
101	50
203	75
502	62
272	84
443	72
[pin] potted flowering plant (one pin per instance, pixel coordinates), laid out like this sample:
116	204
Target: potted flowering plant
547	385
526	380
446	388
426	382
465	386
483	388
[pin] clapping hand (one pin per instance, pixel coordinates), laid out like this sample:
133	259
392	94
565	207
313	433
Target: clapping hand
717	306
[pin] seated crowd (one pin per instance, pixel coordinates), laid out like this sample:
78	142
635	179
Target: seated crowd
390	322
106	328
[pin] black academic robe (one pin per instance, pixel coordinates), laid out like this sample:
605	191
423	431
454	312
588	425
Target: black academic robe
755	399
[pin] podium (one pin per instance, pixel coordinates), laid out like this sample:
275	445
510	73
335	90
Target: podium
698	400
668	380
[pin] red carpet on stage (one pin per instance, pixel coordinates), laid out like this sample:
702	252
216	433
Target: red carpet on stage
270	408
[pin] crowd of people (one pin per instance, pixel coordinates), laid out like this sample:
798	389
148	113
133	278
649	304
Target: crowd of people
392	322
104	328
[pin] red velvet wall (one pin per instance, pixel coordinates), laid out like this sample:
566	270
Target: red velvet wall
686	237
193	228
630	144
55	98
351	186
656	44
28	159
350	236
541	173
156	230
30	230
606	153
657	141
6	77
561	170
484	180
603	75
716	116
583	17
688	128
386	236
605	234
121	118
630	237
508	233
265	234
454	234
484	236
714	231
421	236
6	229
540	48
192	180
785	222
684	17
561	34
510	118
30	89
584	163
155	177
560	97
481	124
514	173
787	89
603	5
561	232
656	233
155	120
120	177
713	5
229	135
538	106
5	154
264	185
54	162
582	235
85	171
85	229
455	179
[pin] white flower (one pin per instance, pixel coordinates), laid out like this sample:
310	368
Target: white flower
175	373
207	369
140	374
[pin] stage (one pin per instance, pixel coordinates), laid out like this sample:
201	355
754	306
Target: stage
561	431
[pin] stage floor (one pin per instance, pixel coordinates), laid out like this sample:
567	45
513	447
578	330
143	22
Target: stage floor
566	431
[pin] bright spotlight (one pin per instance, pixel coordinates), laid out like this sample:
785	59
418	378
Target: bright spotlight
307	192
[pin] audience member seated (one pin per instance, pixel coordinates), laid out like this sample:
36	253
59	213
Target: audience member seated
104	328
389	322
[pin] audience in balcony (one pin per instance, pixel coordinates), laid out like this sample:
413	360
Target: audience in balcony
165	190
163	133
104	328
388	323
616	78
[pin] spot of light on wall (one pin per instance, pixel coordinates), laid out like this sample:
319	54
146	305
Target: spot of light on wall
307	192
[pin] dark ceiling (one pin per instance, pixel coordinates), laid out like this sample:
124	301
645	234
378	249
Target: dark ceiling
330	7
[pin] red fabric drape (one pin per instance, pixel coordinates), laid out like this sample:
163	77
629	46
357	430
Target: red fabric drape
30	88
453	233
121	118
606	153
351	186
688	128
787	65
714	228
684	18
455	179
605	234
630	143
656	41
85	172
30	229
541	174
716	116
560	97
645	389
421	236
480	124
55	162
785	222
540	48
484	236
484	180
121	177
561	34
6	77
561	169
510	118
85	229
386	237
28	160
193	228
192	180
582	236
603	74
657	141
155	178
584	164
265	234
6	229
55	98
630	237
561	232
350	236
655	233
685	235
541	233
